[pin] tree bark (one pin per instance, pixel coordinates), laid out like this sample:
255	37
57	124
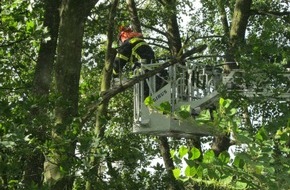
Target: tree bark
102	109
42	80
230	62
223	17
107	70
134	15
172	26
237	32
47	51
239	22
58	173
173	184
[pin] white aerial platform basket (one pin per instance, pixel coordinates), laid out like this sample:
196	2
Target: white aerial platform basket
178	90
153	122
185	85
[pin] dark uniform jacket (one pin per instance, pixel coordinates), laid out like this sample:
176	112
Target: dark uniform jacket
131	51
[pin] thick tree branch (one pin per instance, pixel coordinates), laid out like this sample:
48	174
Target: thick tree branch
154	29
193	51
159	45
156	39
112	92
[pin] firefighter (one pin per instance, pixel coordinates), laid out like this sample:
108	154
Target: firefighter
132	50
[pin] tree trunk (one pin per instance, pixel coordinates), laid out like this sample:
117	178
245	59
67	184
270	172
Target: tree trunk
173	184
229	58
105	85
42	80
237	32
107	70
172	26
46	56
134	15
58	172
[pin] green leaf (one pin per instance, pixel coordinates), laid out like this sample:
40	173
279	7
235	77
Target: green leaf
261	135
221	102
184	111
148	101
238	162
172	153
284	138
233	112
185	108
190	171
176	173
184	114
241	185
212	173
165	107
242	137
195	153
30	25
225	103
228	103
199	171
203	116
208	156
224	157
259	169
205	172
227	180
190	162
182	151
270	170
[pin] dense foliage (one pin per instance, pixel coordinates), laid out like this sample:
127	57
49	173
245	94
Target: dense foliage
259	155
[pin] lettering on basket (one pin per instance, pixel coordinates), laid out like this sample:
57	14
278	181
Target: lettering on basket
160	95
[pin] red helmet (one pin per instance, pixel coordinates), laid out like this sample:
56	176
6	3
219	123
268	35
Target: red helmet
127	32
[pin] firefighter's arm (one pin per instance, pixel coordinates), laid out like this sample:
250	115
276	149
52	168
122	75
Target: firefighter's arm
119	63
